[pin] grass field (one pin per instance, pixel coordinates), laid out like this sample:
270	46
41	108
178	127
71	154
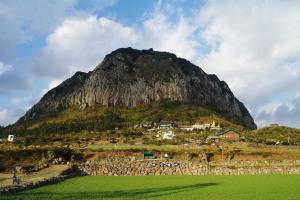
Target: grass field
260	187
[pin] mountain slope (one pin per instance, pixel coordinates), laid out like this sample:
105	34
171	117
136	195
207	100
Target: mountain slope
129	77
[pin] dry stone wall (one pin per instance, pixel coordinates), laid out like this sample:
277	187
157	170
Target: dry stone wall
128	167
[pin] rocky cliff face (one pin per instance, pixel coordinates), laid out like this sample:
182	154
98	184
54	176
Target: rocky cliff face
129	77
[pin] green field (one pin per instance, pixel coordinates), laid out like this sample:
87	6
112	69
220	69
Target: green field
257	187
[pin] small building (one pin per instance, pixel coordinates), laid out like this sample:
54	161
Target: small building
146	125
165	126
213	138
151	130
186	128
165	134
230	135
195	127
168	135
11	138
147	155
200	126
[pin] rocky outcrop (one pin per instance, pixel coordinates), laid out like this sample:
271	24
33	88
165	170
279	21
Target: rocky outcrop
129	77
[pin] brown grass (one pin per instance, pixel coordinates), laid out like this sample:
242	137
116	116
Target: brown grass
54	170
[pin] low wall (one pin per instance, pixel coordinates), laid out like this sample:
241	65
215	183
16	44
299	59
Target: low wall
128	167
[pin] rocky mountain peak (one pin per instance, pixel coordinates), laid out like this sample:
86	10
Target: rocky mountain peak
129	77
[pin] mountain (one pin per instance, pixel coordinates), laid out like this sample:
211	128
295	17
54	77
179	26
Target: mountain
128	78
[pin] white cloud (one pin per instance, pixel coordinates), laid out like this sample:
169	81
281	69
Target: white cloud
3	115
12	80
35	16
176	37
254	46
15	101
282	113
80	43
52	84
24	20
4	67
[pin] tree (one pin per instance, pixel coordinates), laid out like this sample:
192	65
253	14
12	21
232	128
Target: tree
190	118
111	119
1	130
157	118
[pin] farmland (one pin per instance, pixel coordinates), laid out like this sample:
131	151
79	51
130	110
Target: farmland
256	187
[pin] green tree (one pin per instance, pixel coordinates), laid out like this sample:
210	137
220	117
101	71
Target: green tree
158	117
111	119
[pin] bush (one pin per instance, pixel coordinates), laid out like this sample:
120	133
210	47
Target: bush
133	134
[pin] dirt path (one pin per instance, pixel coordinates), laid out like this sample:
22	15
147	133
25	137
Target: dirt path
54	170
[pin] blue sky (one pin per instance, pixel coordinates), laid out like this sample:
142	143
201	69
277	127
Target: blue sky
253	45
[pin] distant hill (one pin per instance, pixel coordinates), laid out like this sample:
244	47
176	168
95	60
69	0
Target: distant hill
273	133
129	78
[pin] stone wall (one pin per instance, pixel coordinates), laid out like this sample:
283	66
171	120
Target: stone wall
127	167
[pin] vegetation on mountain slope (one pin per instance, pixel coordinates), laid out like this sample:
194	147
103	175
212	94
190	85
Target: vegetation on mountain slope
100	118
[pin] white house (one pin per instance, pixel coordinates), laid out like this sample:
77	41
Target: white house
168	135
186	128
165	126
195	127
11	138
200	126
165	134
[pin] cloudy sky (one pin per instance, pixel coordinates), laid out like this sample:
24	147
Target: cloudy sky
253	45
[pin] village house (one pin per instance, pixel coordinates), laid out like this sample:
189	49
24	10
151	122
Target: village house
186	127
151	130
213	127
147	125
165	134
195	127
230	135
213	138
168	135
11	138
165	126
200	126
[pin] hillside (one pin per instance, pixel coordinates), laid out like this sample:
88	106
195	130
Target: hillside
99	118
275	133
130	78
